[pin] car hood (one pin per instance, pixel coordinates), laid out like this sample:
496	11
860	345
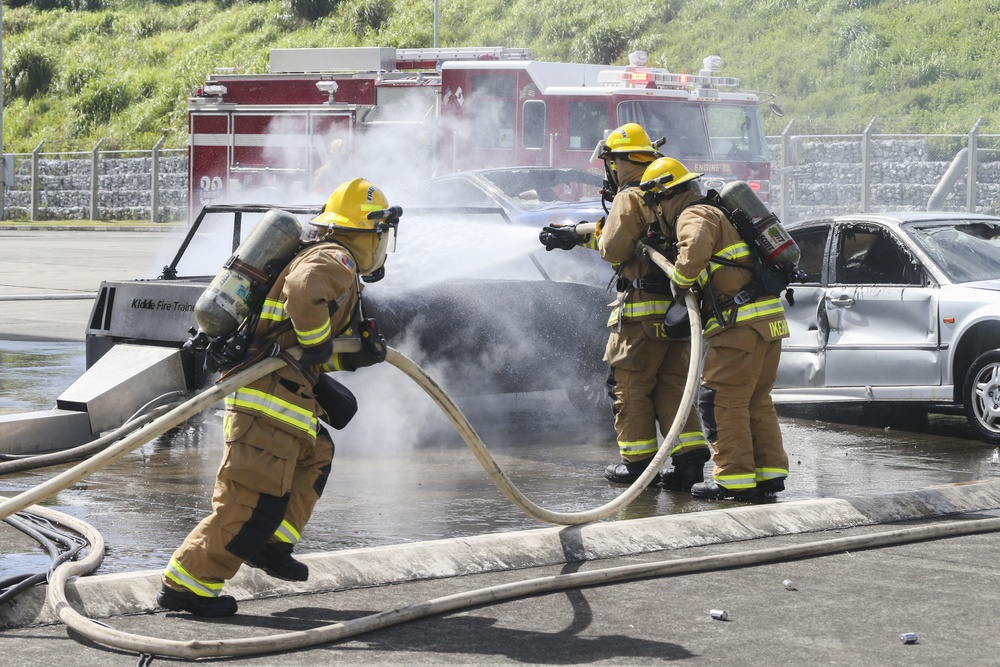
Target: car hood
992	285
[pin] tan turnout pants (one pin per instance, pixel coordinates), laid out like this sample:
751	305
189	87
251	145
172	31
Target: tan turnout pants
266	489
736	408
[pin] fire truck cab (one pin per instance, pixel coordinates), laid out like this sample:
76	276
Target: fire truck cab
322	114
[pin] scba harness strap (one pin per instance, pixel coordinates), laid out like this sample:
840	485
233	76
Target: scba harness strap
767	280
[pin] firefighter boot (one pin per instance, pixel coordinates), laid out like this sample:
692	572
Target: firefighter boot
276	559
769	489
199	605
688	471
713	491
626	472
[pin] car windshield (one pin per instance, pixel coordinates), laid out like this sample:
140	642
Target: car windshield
534	188
966	250
700	132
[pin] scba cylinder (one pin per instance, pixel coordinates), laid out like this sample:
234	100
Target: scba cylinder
774	240
237	290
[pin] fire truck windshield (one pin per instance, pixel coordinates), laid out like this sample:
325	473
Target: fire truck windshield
695	131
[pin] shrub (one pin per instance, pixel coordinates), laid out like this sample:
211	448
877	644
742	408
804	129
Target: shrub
72	5
603	44
28	71
98	104
311	10
370	15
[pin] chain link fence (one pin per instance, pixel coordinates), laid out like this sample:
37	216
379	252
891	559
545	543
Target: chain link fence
813	176
96	185
820	175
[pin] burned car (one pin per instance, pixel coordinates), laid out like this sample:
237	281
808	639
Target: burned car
483	317
898	308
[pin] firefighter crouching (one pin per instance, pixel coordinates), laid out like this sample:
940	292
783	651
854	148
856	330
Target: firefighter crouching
743	332
278	455
648	366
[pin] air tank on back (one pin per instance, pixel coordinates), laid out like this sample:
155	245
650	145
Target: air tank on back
774	240
238	289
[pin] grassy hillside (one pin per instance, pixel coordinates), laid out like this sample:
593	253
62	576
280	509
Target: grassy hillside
79	70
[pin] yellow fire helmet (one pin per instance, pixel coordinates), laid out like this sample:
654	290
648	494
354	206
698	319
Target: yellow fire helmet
665	173
359	206
630	141
349	206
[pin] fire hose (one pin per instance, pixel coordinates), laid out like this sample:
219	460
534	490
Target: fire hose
338	631
214	394
60	574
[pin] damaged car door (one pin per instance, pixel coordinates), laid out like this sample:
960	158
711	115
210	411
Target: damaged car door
881	311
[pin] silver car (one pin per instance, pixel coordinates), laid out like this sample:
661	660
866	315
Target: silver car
897	308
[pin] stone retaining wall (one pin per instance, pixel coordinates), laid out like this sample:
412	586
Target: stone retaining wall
825	177
124	189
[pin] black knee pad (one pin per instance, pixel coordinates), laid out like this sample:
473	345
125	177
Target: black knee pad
263	521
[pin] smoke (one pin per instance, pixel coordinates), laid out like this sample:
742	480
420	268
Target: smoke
469	297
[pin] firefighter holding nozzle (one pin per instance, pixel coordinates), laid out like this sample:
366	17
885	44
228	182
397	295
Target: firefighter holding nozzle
648	363
278	454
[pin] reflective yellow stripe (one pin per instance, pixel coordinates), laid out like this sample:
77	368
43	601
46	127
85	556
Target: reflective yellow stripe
273	407
314	336
273	310
592	242
636	309
770	473
689	440
758	309
335	363
683	281
286	533
637	447
733	252
744	481
176	573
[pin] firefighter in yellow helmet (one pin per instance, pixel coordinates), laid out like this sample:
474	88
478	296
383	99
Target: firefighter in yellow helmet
277	453
743	340
648	365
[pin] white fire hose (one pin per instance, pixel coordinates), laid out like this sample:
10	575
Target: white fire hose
195	649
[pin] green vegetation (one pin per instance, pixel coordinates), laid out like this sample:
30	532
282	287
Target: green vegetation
76	71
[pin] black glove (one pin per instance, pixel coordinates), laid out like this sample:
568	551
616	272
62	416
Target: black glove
563	237
371	353
317	355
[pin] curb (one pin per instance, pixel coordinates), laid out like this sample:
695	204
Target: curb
130	593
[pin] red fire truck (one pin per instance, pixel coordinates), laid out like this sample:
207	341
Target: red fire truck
386	112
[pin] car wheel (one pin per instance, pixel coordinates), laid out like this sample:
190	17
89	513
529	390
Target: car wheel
981	395
590	398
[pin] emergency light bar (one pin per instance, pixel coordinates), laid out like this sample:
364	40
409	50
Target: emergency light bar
642	77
